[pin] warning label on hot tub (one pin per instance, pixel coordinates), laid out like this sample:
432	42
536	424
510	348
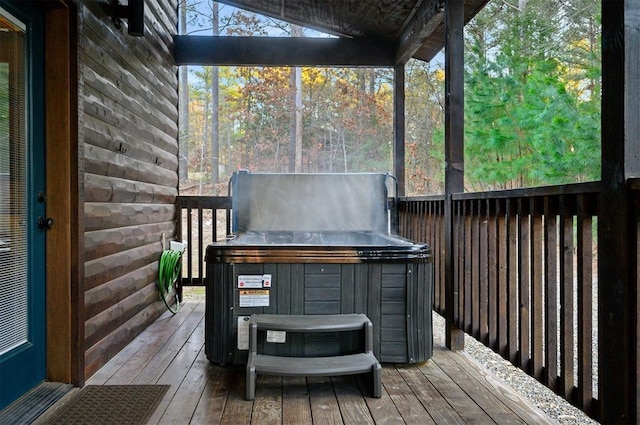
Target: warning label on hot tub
254	281
254	298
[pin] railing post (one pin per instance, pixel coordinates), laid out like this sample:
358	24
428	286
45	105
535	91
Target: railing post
399	128
617	229
454	156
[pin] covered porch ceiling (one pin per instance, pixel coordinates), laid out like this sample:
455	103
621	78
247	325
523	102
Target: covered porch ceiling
404	29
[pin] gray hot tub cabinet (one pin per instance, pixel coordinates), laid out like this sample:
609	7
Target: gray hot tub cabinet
396	296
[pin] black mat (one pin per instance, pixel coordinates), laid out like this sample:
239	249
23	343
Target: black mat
27	408
110	404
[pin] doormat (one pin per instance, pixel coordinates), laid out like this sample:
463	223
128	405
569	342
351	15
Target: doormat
110	404
31	405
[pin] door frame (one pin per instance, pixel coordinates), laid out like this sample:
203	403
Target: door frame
64	268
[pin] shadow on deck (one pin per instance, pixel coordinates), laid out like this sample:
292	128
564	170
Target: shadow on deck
448	389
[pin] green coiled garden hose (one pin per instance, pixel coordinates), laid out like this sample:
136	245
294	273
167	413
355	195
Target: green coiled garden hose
168	274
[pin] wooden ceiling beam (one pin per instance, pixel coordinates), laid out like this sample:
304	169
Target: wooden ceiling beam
281	51
424	23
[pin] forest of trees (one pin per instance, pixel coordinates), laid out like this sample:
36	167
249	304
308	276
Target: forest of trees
532	104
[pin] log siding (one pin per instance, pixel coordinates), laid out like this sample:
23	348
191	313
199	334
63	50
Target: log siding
128	147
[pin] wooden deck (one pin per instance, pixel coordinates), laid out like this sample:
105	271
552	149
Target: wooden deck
448	389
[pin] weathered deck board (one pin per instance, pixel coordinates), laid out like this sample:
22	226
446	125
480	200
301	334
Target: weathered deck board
488	402
448	389
438	408
267	407
408	404
353	408
296	409
459	400
237	410
213	399
142	348
324	405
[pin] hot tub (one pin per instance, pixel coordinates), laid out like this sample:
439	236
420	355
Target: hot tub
315	270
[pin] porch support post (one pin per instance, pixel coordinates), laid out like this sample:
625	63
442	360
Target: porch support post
65	351
617	228
399	128
454	156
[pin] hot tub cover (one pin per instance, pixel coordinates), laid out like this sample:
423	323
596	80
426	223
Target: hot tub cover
310	202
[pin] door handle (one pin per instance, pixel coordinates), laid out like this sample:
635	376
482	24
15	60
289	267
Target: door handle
44	223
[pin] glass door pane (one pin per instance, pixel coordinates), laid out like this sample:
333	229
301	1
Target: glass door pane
13	186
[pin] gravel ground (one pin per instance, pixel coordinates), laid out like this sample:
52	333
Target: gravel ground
540	396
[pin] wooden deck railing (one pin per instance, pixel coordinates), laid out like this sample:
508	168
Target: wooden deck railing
202	220
525	276
524	273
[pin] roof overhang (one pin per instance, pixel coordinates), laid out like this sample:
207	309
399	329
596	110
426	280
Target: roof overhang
415	28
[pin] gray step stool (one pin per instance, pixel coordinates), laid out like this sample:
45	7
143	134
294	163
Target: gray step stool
312	366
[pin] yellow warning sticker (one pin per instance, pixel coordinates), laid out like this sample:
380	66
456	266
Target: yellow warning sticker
254	298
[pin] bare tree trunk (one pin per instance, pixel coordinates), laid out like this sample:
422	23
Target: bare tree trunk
183	158
296	121
227	162
331	155
344	151
292	121
215	106
205	139
372	82
522	5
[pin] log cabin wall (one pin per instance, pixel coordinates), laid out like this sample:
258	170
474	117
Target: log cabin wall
128	148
